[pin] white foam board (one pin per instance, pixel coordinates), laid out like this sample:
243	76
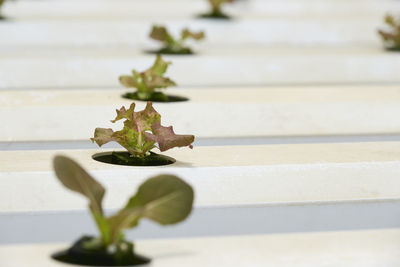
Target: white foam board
229	175
100	68
66	115
373	248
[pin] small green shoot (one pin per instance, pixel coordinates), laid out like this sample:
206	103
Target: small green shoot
1	5
173	45
149	82
142	131
164	199
391	38
216	9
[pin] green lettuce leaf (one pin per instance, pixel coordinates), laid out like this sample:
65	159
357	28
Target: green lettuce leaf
131	137
391	38
75	178
217	4
147	82
186	33
165	199
171	44
160	33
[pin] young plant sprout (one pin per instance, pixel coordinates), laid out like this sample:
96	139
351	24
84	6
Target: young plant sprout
391	38
173	45
141	132
149	82
164	199
1	5
216	9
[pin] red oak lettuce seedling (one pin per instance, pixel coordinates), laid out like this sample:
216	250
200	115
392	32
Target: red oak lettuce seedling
141	132
392	37
216	9
149	82
173	45
164	199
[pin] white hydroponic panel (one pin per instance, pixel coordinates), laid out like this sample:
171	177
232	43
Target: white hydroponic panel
373	248
100	68
301	31
229	175
148	10
43	115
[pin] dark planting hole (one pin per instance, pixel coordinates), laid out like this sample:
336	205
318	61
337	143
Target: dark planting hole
124	158
220	16
78	255
168	51
393	49
157	97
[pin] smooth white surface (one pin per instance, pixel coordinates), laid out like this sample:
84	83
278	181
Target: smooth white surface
101	68
229	175
373	248
142	10
62	115
295	31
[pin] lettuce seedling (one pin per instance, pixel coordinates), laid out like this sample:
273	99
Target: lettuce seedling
149	82
216	9
164	199
141	132
391	38
173	45
1	5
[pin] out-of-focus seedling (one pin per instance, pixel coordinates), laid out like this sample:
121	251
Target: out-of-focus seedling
141	132
216	9
1	5
165	199
391	37
171	45
148	84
